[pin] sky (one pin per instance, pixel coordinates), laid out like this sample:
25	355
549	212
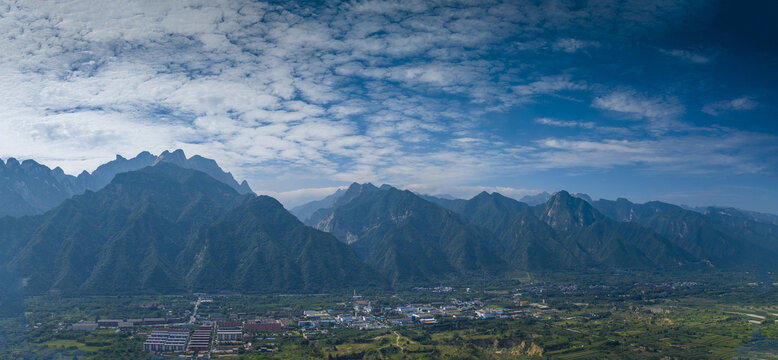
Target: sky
662	100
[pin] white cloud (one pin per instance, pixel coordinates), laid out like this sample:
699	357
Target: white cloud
570	45
741	103
281	92
733	151
686	56
636	107
568	124
549	85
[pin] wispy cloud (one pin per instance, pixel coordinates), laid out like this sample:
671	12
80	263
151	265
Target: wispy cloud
548	85
563	123
735	151
741	103
284	93
570	45
637	107
686	56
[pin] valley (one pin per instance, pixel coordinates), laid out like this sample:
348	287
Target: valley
168	261
617	316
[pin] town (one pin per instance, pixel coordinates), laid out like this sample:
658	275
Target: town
535	319
200	335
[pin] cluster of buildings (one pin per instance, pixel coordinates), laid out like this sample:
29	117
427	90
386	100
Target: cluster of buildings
229	331
366	315
216	334
201	340
124	325
218	337
167	340
317	318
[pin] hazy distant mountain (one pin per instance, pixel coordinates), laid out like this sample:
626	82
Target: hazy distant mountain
705	237
406	237
763	224
105	173
536	199
582	196
353	191
205	165
30	188
304	212
167	229
448	203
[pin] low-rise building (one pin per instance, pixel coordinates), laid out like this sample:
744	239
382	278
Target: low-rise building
229	335
153	321
166	340
201	340
108	323
229	325
428	321
315	313
84	326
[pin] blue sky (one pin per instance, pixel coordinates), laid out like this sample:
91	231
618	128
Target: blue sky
662	100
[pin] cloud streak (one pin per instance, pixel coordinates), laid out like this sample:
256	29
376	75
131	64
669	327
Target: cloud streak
738	104
687	56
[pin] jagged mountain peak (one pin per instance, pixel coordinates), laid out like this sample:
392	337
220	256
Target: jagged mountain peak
483	194
568	213
32	188
354	190
30	163
495	200
355	186
176	157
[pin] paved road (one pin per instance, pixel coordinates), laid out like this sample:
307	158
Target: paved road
194	313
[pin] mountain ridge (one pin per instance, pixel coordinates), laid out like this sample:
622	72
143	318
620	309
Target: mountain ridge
153	230
30	188
407	238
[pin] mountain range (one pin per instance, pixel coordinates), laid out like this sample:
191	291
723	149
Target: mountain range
166	229
181	225
572	231
29	188
405	237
